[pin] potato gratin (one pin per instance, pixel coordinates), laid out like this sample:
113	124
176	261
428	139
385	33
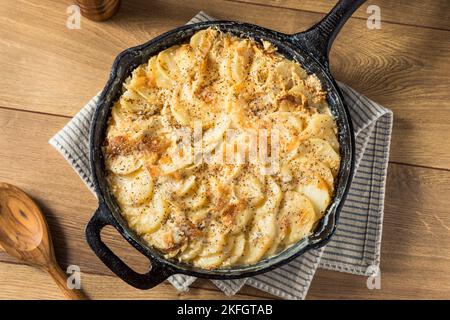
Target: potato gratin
207	213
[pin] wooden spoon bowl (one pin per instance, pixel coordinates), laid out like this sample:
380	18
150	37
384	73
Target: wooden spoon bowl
24	235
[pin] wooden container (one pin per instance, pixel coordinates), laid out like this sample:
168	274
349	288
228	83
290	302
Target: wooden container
98	10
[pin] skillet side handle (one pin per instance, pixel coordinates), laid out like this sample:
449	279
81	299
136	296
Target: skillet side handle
319	38
99	220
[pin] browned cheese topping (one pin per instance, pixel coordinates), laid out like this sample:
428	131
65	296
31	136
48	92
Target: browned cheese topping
216	214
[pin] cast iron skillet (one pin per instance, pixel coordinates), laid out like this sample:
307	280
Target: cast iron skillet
310	49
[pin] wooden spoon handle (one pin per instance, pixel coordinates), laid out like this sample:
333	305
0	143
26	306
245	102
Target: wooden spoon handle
61	280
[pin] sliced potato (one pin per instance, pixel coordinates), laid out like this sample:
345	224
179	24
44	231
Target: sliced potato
288	126
324	152
286	174
216	240
300	215
166	68
148	218
241	220
143	85
317	191
187	185
121	120
250	189
323	126
273	198
189	110
198	216
260	238
179	111
282	229
325	173
184	60
209	262
167	238
191	251
215	134
203	40
123	164
131	101
217	246
228	172
264	227
198	198
237	251
258	71
289	73
172	161
133	189
240	62
305	170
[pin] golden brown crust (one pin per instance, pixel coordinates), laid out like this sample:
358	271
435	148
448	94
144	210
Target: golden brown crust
220	214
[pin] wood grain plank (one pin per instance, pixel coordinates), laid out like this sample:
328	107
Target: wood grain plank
39	285
428	13
415	260
56	70
416	243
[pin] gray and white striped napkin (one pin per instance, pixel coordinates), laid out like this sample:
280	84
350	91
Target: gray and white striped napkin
355	247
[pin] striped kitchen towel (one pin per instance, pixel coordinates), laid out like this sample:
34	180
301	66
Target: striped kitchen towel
355	247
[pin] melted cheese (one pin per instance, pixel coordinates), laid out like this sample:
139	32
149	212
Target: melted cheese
218	215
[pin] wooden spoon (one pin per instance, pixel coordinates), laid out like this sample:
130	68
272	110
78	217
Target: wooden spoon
24	235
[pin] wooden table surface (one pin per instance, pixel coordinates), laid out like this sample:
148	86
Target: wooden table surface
48	72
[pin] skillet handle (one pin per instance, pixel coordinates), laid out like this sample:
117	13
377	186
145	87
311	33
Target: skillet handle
152	278
319	38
